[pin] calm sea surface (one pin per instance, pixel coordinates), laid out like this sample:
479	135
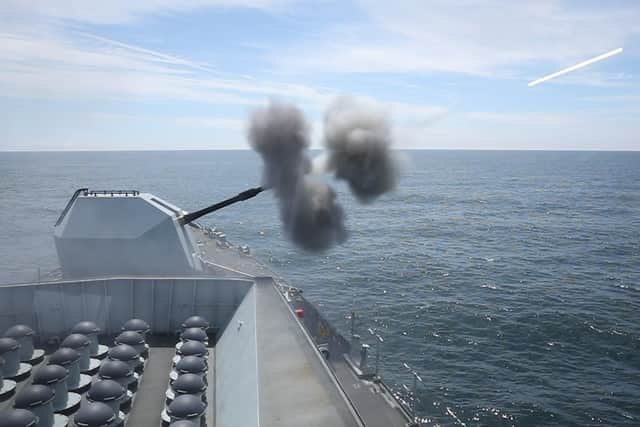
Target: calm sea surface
509	280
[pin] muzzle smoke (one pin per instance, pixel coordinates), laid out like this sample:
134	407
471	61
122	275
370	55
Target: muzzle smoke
358	143
358	150
311	216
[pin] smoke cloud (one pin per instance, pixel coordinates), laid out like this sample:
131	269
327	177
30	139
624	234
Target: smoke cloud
358	150
311	216
358	143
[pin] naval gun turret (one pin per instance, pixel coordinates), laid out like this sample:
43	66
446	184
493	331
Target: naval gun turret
129	233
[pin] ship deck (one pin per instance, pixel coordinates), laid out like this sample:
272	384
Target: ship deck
372	402
149	398
265	367
268	372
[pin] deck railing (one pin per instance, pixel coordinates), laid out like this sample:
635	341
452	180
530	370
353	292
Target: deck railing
69	203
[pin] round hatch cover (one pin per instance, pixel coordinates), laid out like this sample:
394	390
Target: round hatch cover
195	322
106	391
19	331
114	369
192	348
86	327
123	352
76	341
186	406
34	395
137	325
18	418
50	374
8	344
64	356
130	338
188	384
94	414
193	334
191	365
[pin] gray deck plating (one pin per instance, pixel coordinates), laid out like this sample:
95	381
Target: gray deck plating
296	388
372	402
149	399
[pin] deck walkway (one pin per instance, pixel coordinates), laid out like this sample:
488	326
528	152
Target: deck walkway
149	400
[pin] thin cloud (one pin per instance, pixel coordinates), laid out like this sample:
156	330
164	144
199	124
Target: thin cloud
80	65
48	50
525	131
212	122
153	54
47	64
122	11
596	79
485	37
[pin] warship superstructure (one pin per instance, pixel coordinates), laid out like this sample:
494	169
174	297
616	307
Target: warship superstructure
158	320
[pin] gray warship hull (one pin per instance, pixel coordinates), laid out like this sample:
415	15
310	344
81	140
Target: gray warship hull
273	359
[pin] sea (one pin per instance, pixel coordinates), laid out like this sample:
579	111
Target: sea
508	280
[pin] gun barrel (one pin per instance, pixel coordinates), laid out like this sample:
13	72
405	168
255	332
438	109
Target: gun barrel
245	195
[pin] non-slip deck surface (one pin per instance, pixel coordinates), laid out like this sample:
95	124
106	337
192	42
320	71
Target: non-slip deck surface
150	398
372	401
295	389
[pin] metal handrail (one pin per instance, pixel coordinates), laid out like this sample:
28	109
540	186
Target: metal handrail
69	203
86	192
112	192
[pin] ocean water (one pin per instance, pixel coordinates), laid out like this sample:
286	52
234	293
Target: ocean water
509	280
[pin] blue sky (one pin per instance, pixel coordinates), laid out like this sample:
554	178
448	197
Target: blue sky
184	74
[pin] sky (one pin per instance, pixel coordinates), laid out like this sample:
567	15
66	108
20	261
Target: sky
186	74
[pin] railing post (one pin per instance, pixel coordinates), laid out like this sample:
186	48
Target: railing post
364	354
379	340
353	324
416	379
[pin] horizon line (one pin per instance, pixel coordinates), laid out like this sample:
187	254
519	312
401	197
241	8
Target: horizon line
143	150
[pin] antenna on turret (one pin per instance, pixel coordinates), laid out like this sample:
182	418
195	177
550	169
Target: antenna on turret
245	195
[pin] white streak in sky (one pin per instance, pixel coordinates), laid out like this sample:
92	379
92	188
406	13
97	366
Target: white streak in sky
575	67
